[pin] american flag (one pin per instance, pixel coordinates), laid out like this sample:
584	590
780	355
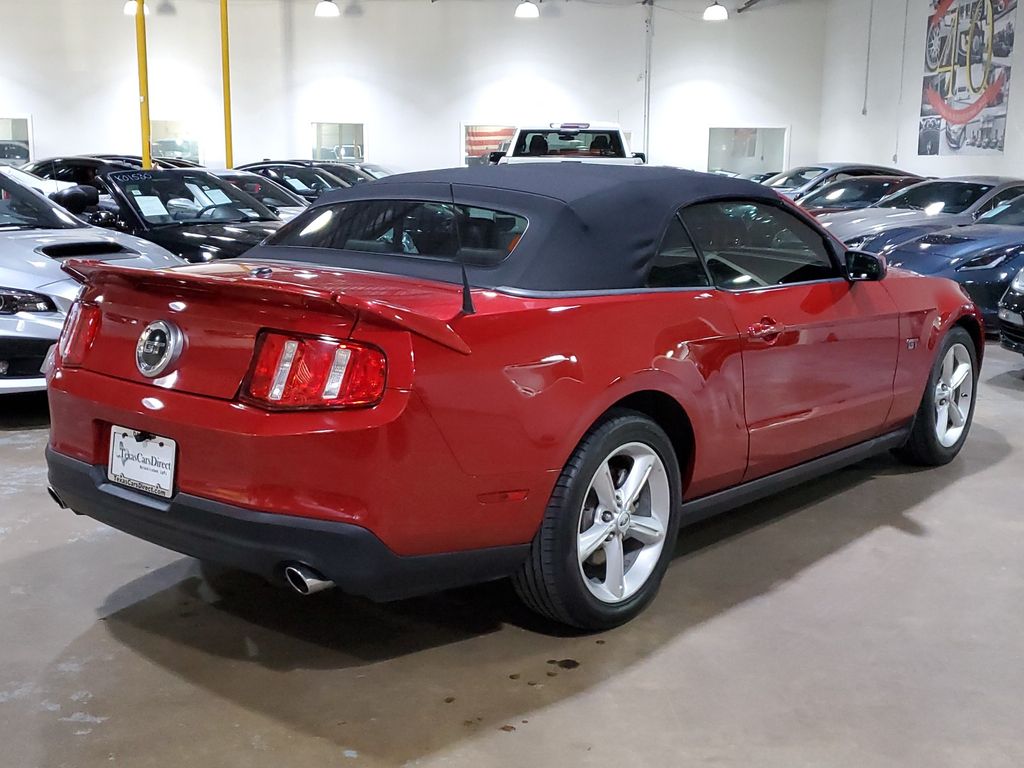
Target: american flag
481	139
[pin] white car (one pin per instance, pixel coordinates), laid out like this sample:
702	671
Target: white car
603	143
45	186
36	236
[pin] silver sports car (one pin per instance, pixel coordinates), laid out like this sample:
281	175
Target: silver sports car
36	235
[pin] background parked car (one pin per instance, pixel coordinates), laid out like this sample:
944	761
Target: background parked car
77	169
347	172
920	209
276	197
1011	315
760	177
982	257
798	182
601	143
36	237
158	162
190	212
304	180
13	152
853	194
26	179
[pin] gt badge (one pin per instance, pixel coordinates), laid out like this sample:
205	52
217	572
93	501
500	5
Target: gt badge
158	347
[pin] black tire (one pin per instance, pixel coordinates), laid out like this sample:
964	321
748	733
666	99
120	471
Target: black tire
550	582
923	447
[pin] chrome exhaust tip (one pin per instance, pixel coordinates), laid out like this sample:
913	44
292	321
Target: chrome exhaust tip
56	498
305	580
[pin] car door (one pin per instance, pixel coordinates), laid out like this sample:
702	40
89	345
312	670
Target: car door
819	351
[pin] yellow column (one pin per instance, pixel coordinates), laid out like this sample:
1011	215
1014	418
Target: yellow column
225	59
140	48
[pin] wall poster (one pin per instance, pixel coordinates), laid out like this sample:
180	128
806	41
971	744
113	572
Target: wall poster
966	85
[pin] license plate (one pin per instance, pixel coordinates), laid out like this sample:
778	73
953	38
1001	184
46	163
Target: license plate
1011	317
141	461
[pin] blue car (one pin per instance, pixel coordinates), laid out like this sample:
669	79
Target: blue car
983	257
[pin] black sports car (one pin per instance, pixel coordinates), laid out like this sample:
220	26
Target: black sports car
1011	315
347	172
190	212
80	170
301	178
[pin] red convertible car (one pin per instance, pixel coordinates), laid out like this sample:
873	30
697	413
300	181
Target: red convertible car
526	371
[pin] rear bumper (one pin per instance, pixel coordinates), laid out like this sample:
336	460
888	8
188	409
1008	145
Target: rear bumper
352	557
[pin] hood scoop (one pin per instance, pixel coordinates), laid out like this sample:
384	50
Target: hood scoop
939	238
96	249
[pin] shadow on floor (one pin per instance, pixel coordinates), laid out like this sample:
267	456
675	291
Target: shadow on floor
1012	381
406	679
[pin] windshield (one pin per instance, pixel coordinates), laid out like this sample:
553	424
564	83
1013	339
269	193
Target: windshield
1011	213
379	171
268	192
308	181
543	142
187	197
795	178
23	208
852	193
934	197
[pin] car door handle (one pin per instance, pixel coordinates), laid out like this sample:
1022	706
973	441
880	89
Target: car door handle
766	328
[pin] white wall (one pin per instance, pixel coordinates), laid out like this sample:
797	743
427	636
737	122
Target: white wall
889	129
412	72
760	69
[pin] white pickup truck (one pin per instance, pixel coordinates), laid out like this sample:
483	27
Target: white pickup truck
561	142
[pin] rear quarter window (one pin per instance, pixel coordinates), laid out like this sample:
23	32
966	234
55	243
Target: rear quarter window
414	228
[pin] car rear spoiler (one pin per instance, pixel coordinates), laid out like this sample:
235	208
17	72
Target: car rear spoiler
93	272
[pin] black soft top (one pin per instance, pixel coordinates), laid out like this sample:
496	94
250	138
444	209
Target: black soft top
591	226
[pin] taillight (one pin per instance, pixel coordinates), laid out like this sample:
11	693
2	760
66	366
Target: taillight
290	372
80	331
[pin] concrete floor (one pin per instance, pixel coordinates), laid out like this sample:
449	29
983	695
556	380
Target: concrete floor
872	618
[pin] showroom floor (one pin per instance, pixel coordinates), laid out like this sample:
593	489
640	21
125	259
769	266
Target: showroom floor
872	618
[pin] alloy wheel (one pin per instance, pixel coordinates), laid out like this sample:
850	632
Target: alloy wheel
953	395
623	522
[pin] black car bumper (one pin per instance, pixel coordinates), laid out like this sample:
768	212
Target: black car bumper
22	358
352	557
1011	335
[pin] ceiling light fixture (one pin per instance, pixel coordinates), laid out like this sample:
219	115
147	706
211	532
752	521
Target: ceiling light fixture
131	7
327	9
716	12
527	9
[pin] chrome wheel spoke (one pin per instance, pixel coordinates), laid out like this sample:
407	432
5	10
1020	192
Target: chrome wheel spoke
647	530
947	368
615	568
604	487
942	419
960	375
593	538
636	480
956	416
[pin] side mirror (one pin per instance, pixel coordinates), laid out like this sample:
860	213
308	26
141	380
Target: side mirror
862	266
494	157
641	156
76	199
